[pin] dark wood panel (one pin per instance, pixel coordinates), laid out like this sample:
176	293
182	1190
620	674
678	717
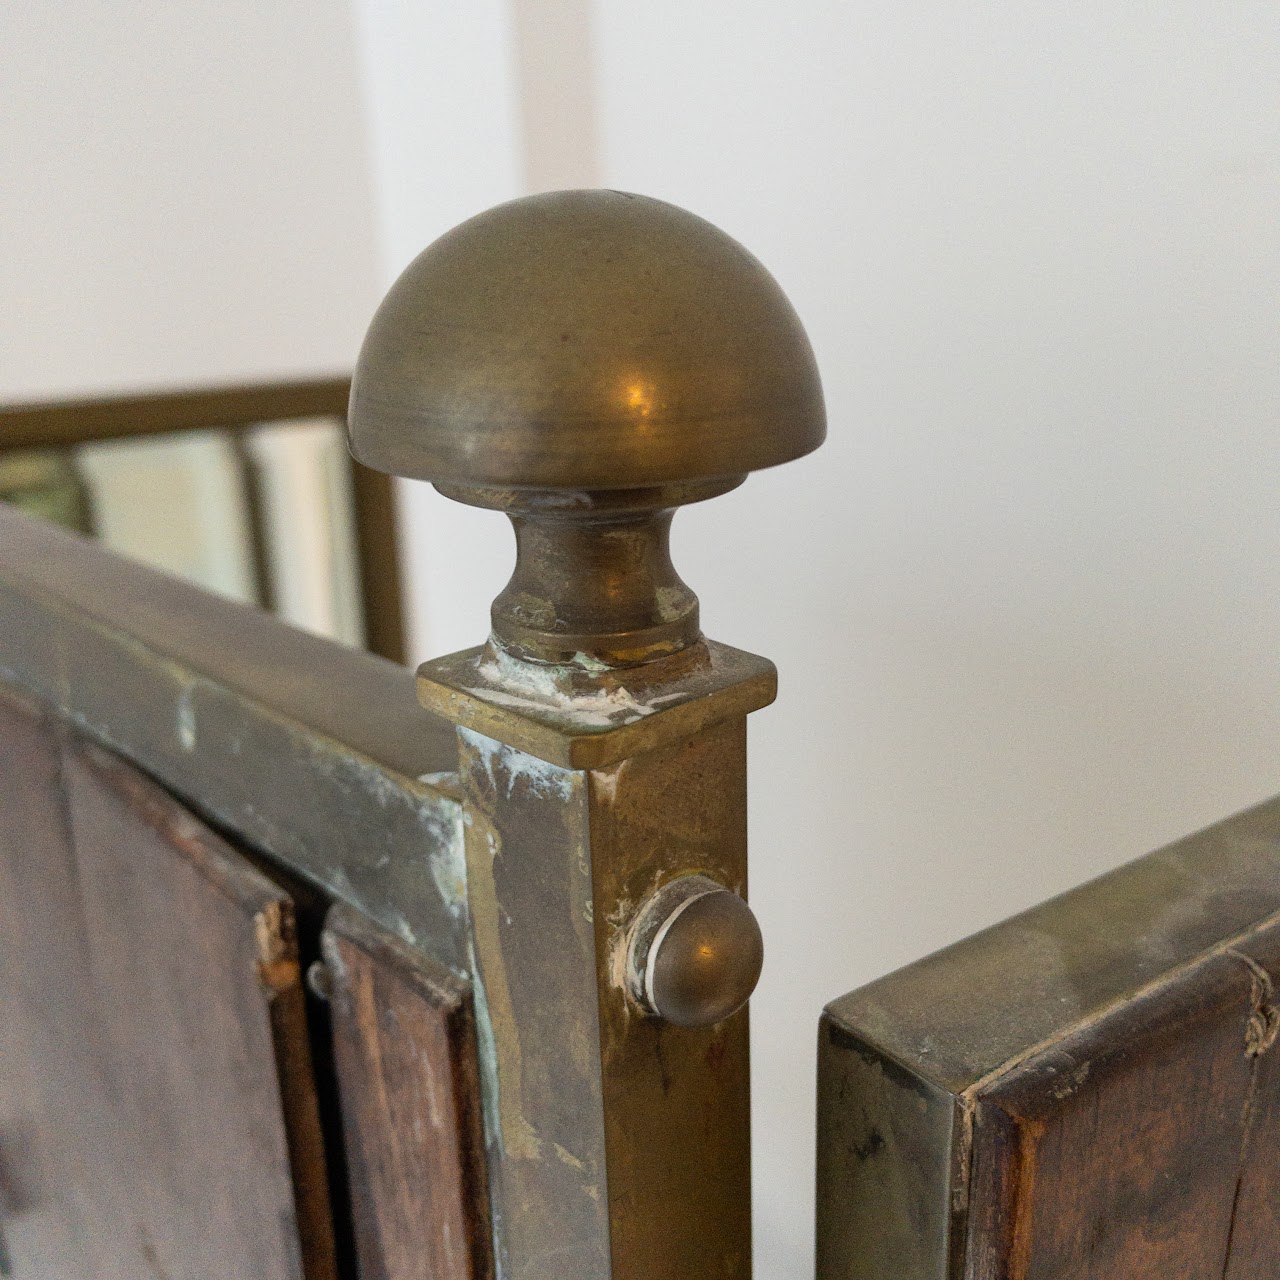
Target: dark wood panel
159	1115
405	1051
1117	1150
1088	1090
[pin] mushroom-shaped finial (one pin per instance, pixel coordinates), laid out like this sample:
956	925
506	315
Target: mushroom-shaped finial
586	361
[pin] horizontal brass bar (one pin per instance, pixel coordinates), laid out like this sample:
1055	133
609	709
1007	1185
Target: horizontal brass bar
70	422
314	753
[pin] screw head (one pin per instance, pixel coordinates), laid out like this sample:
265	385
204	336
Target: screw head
696	953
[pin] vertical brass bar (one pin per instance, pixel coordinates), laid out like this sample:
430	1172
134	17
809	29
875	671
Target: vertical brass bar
379	566
676	1099
251	479
619	1145
529	886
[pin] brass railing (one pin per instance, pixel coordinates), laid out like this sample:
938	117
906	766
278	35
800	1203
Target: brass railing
60	426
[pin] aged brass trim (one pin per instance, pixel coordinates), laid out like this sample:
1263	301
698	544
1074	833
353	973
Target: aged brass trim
587	362
589	720
901	1060
313	753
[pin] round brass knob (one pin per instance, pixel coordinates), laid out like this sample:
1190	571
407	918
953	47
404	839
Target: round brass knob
586	361
695	953
584	340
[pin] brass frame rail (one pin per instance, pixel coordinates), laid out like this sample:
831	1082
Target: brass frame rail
67	423
311	752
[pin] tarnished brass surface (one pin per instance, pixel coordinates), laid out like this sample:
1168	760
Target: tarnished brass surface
529	884
695	953
584	340
593	575
677	1100
588	361
586	720
619	1144
313	753
901	1060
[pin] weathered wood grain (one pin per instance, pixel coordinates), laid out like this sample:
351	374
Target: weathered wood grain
1087	1091
405	1052
1253	1245
1117	1150
157	1113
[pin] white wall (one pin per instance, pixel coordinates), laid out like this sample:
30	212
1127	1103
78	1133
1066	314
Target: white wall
443	113
1024	602
185	193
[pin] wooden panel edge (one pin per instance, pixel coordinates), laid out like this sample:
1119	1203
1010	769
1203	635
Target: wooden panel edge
350	940
281	979
277	970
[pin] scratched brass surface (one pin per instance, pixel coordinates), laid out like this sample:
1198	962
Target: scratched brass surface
593	573
529	884
582	720
619	1146
677	1100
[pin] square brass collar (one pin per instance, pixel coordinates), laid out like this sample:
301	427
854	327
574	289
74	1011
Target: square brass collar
580	718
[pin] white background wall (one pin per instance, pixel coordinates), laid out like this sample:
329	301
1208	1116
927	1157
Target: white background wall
184	193
1025	600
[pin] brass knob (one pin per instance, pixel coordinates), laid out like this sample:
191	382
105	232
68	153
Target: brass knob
586	361
695	953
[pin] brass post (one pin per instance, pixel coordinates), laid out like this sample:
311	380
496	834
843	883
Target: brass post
588	361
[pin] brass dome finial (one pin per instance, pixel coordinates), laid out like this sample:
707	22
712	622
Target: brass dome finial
586	361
